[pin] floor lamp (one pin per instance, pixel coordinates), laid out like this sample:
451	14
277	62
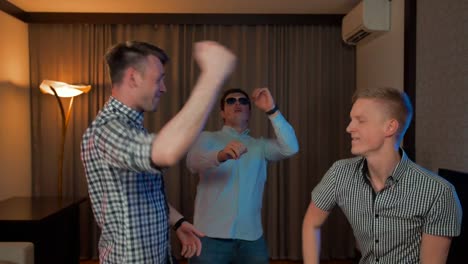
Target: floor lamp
61	89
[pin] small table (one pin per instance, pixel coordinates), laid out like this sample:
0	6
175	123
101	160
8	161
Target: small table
50	223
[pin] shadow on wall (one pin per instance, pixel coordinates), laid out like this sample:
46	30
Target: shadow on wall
15	140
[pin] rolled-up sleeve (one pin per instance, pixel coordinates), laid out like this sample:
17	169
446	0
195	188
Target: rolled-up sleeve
124	148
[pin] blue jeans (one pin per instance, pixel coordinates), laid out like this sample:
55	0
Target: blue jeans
232	251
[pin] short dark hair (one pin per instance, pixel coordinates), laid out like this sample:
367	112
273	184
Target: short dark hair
397	104
131	53
231	91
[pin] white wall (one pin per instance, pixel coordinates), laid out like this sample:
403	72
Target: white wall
15	129
441	77
379	62
442	84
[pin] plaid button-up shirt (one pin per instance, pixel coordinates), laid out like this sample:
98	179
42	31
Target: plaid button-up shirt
388	225
126	190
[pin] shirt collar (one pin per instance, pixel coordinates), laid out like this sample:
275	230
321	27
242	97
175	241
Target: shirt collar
233	132
132	114
398	172
401	167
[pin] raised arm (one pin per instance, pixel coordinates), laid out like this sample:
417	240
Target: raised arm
174	139
313	220
285	144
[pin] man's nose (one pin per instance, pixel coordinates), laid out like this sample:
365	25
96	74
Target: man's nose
349	128
163	88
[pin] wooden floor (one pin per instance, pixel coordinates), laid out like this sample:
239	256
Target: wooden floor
272	262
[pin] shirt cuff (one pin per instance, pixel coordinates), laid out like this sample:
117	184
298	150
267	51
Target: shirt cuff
278	118
213	156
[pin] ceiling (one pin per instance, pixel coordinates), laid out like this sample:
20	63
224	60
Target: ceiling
189	6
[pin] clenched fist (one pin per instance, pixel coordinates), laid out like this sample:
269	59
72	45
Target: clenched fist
263	99
233	150
214	60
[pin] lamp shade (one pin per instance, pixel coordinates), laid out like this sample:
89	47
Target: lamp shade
63	89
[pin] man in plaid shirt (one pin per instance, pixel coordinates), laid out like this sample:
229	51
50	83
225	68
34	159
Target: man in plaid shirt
123	163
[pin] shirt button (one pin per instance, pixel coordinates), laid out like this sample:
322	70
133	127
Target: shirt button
376	241
377	260
376	215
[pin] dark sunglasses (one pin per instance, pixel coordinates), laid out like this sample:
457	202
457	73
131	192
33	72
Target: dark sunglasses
242	101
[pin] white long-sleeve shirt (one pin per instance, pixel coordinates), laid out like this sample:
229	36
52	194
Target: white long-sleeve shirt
229	194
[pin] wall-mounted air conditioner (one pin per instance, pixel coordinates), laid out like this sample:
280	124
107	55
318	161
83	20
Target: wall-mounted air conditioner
367	20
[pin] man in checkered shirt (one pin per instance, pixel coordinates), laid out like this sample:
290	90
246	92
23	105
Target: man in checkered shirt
123	162
399	212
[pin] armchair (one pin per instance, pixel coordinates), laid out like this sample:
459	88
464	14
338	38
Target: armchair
458	252
16	253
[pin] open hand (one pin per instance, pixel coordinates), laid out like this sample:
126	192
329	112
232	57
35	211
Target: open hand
189	237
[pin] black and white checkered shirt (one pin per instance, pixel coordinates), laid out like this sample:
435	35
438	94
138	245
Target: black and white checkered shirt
126	191
388	225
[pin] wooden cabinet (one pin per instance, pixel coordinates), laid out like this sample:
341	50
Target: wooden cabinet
50	223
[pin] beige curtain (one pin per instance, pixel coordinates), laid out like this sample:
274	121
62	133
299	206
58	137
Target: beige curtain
311	75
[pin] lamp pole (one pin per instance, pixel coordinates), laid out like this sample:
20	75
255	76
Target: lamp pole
65	119
62	89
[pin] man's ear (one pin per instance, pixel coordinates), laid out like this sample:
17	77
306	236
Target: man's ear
391	127
131	75
221	113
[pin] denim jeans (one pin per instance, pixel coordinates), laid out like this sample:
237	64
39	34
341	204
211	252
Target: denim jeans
232	251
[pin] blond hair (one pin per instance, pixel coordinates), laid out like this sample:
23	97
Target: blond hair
397	104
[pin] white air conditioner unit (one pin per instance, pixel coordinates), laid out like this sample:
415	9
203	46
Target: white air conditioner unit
367	20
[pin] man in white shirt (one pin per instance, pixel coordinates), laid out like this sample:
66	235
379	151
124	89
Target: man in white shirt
232	168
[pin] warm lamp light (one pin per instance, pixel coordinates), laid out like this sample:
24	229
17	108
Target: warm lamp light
61	89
